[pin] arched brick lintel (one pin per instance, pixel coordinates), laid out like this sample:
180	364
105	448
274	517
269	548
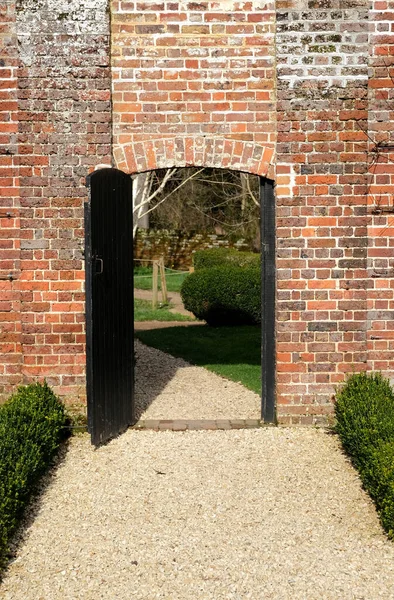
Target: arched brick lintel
147	155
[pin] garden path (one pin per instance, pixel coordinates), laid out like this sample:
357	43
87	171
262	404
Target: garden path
269	513
163	390
266	513
173	297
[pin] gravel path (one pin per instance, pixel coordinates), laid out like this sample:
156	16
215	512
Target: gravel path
163	390
222	515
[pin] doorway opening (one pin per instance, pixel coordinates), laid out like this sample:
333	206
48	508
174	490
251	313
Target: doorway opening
226	206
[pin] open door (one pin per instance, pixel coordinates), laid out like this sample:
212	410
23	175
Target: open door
109	304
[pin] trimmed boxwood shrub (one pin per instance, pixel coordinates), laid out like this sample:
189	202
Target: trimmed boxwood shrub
31	427
378	480
225	295
364	410
215	257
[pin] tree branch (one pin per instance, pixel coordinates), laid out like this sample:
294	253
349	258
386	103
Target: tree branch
147	196
172	191
257	203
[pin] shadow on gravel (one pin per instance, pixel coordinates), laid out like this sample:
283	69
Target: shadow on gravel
232	352
150	381
34	506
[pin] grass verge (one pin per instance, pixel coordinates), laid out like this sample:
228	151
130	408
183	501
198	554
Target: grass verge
143	279
143	311
364	410
232	352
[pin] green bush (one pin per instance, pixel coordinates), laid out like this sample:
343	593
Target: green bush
378	480
225	295
364	410
215	257
31	427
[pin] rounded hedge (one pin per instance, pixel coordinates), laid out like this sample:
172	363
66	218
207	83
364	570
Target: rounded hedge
225	295
378	479
31	428
215	257
364	409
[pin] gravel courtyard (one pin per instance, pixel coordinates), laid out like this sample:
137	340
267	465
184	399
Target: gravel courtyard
261	514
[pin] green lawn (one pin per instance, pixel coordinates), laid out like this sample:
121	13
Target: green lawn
232	352
143	311
143	279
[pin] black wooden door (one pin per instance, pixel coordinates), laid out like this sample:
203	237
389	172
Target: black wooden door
109	304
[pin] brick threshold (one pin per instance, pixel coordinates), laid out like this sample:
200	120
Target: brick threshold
197	425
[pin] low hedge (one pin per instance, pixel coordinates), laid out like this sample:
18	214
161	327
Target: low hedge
31	427
225	295
215	257
364	409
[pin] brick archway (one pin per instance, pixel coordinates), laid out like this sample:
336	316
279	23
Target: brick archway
147	155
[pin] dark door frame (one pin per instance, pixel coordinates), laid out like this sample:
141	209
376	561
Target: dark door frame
268	296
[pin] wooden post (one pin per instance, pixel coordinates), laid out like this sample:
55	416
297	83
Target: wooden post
155	284
163	281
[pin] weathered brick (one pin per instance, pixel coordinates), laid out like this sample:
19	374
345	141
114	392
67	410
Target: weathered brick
205	86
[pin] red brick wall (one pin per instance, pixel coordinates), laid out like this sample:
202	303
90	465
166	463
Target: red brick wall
278	91
64	131
381	196
193	84
322	227
209	78
10	318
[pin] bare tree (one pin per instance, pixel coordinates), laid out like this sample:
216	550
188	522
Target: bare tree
201	198
143	196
